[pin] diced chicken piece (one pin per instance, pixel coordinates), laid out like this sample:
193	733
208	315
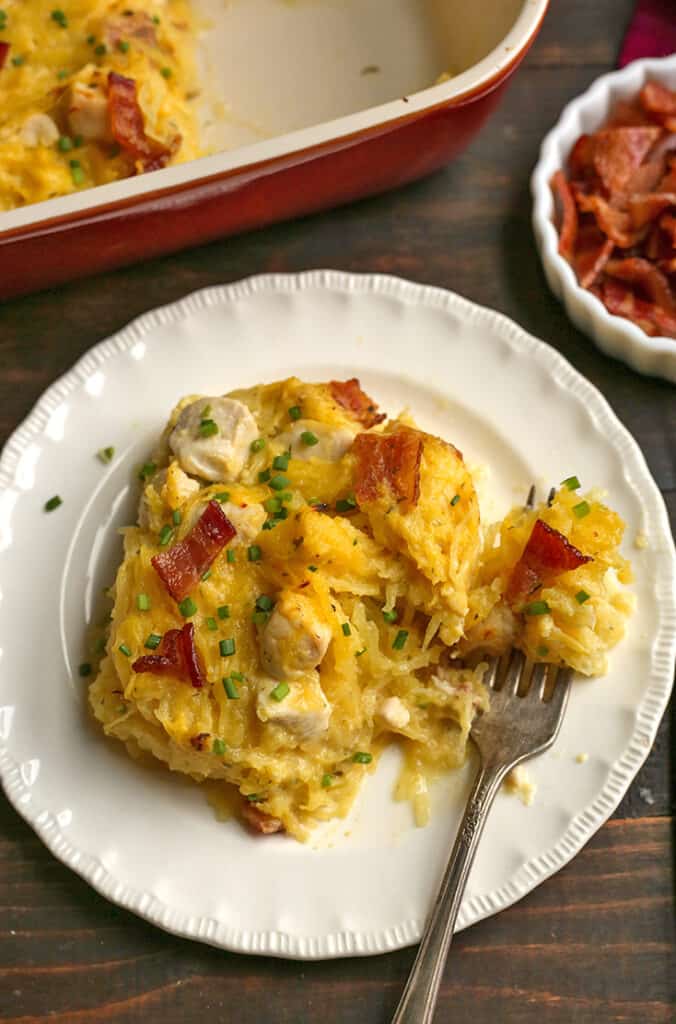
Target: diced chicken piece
88	114
394	713
130	25
295	638
304	711
331	443
39	130
214	454
259	821
247	521
178	486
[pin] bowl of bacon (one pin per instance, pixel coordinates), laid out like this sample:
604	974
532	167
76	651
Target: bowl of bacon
604	213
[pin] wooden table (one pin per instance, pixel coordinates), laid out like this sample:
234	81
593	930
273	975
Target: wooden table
595	943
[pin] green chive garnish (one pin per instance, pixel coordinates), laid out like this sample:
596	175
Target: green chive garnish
123	46
358	654
100	50
53	503
165	535
542	651
285	496
227	647
153	641
281	462
279	482
208	428
258	445
272	505
156	19
85	669
455	499
295	412
254	553
223	611
537	608
105	454
18	60
582	509
309	439
187	607
327	781
362	758
222	496
176	517
238	676
62	74
390	616
230	688
400	639
91	40
76	172
219	747
346	504
60	18
231	556
205	575
212	624
260	617
147	470
346	629
166	72
143	602
280	691
582	596
264	602
263	476
571	482
312	568
123	649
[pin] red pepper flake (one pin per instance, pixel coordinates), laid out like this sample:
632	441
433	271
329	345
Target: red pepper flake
349	395
546	555
388	462
177	656
182	566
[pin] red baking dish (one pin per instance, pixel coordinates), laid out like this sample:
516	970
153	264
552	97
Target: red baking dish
313	103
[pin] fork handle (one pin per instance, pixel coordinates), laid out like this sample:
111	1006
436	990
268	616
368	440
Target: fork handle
420	995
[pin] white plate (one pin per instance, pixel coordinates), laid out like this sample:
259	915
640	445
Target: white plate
147	839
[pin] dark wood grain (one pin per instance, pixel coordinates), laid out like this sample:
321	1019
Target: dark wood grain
596	943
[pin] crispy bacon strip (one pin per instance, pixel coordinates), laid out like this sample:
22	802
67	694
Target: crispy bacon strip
388	462
618	152
546	555
621	300
181	566
592	253
569	223
176	656
657	99
4	51
616	224
646	208
645	274
259	821
349	395
128	126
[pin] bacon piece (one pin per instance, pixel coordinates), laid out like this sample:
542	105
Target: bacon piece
618	152
628	114
546	556
181	566
259	821
176	656
350	396
581	159
569	223
613	222
128	126
592	253
388	462
4	51
657	99
668	224
646	208
645	274
621	300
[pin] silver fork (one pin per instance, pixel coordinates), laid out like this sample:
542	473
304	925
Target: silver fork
515	728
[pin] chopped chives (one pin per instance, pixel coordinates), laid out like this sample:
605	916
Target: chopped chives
105	454
264	602
400	639
358	654
263	476
455	499
100	49
222	496
153	641
542	651
53	503
281	461
227	647
206	411
78	141
205	575
85	669
537	608
280	691
18	60
230	688
60	18
122	709
176	517
156	19
309	439
390	616
238	676
346	504
260	617
582	596
295	412
91	40
165	535
143	602
123	45
123	649
312	568
285	496
62	74
272	505
254	553
361	757
212	624
76	172
231	556
582	509
346	629
219	747
147	470
571	482
187	607
258	445
166	72
327	780
223	611
279	482
208	428
256	798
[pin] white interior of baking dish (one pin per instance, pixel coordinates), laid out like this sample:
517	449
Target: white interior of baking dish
281	75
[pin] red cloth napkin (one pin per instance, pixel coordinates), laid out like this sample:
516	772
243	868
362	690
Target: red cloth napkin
652	32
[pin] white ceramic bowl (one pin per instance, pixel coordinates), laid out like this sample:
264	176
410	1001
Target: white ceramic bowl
615	335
